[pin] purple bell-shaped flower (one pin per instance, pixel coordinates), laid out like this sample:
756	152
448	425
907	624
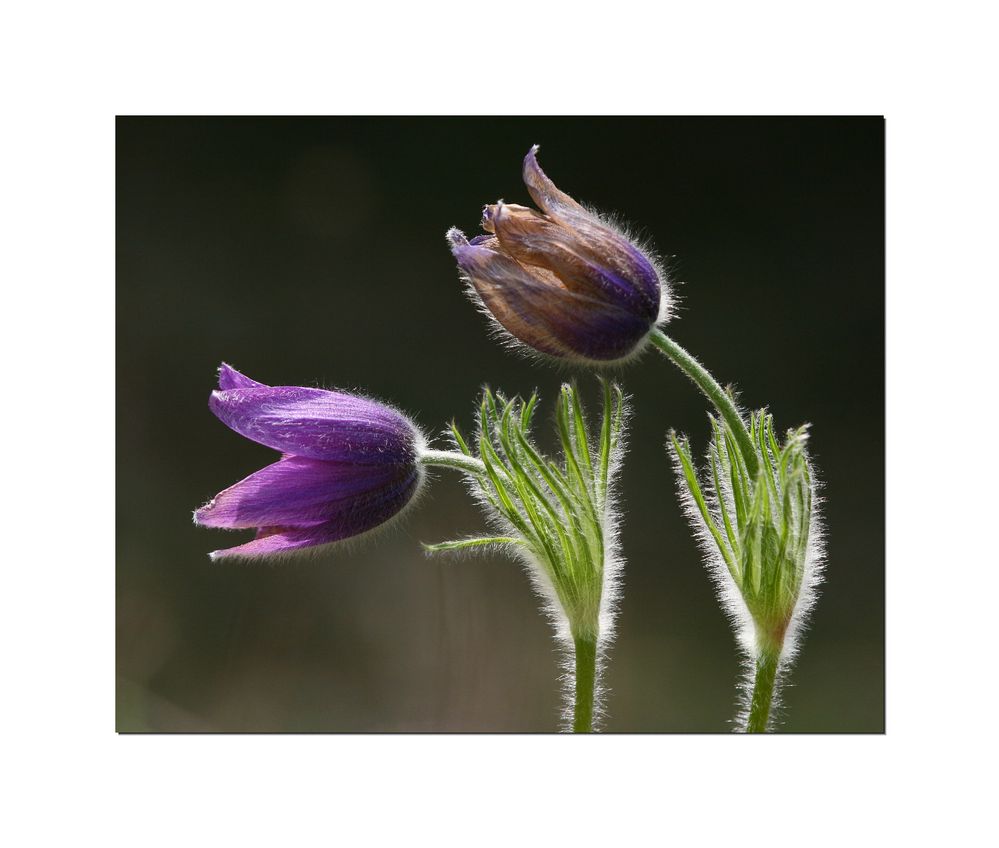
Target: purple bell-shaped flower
562	281
348	464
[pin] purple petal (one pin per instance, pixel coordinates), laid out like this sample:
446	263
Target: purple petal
535	307
544	192
296	491
602	245
230	378
275	541
318	424
586	265
508	291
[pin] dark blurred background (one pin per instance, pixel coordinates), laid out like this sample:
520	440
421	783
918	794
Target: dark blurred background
312	252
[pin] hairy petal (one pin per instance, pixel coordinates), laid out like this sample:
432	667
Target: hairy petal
511	294
595	240
576	260
537	308
296	491
230	378
544	192
318	424
275	541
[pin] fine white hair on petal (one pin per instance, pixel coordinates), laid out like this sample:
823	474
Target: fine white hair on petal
342	547
668	301
667	296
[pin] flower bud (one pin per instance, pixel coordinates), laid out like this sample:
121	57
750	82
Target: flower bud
761	532
561	280
348	465
558	514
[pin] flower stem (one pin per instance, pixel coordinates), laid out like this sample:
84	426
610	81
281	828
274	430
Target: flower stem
713	391
764	686
453	459
586	681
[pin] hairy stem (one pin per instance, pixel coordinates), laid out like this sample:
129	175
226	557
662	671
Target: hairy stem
453	459
713	391
764	685
586	681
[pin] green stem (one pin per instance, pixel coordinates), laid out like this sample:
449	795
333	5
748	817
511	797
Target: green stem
586	681
453	459
763	690
714	392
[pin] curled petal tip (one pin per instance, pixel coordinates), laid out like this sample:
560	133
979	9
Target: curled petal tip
202	515
230	378
531	159
456	238
490	213
550	199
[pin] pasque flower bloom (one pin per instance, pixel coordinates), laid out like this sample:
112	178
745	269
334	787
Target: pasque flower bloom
561	280
348	464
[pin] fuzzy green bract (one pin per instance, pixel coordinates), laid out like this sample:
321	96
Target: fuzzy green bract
759	525
558	517
762	536
558	514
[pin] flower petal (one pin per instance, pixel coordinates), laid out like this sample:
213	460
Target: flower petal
230	378
576	259
318	424
544	192
275	541
534	306
506	289
603	245
296	491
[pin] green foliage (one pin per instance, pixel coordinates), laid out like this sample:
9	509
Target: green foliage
759	523
557	513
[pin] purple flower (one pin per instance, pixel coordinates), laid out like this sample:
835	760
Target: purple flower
561	280
348	464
